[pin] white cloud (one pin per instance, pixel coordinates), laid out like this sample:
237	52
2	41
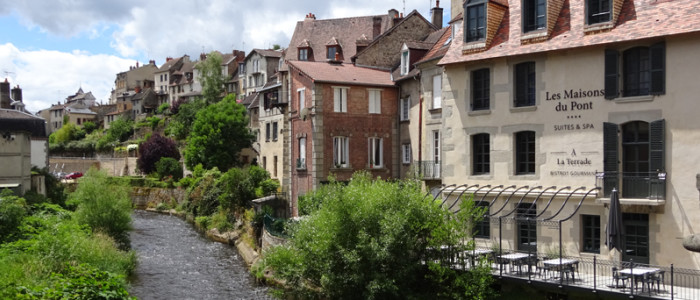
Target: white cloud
47	77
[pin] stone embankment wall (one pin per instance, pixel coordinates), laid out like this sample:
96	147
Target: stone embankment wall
141	196
121	166
269	240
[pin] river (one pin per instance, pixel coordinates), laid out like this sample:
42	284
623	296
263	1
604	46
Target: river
176	262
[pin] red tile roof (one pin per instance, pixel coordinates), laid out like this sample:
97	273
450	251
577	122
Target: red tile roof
639	19
342	73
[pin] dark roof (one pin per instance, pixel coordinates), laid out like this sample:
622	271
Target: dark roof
15	121
440	46
266	53
249	99
398	24
638	19
169	64
316	34
342	73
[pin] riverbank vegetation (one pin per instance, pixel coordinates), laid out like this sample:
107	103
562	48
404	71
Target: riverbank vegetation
375	239
57	249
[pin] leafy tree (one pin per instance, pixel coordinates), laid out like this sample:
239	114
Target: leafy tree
163	108
211	77
219	133
372	239
119	131
168	166
69	132
108	212
89	126
152	150
185	114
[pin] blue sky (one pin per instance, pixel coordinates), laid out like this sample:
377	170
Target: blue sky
51	48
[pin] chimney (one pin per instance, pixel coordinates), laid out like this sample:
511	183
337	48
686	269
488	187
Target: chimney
310	17
437	14
337	56
137	64
203	56
5	94
152	62
167	59
17	93
137	89
394	16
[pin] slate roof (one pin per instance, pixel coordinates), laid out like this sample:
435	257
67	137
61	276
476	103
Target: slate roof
639	19
440	46
316	33
169	64
398	24
342	73
265	53
14	121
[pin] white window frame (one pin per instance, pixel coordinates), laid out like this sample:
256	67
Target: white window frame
341	150
404	109
340	99
437	91
301	96
406	154
375	152
405	60
302	152
375	101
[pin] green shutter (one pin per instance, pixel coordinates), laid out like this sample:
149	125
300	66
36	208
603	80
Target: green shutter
657	57
656	146
610	158
612	65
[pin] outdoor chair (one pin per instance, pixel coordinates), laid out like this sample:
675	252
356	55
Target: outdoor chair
618	277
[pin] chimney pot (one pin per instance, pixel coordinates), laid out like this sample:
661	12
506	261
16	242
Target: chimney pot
337	56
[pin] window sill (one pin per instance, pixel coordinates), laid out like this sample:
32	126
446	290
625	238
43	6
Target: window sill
341	168
633	201
376	168
534	36
480	176
435	110
479	112
523	108
404	121
634	99
476	46
598	27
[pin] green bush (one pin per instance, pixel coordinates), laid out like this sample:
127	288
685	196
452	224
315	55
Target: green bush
89	127
163	108
220	220
168	166
81	282
107	212
203	221
12	212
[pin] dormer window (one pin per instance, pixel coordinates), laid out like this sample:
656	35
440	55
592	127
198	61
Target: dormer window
303	54
332	50
598	11
405	60
534	15
475	20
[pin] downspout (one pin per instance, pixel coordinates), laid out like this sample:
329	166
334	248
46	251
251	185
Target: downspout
420	133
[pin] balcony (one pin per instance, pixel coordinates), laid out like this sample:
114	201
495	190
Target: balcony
651	185
428	169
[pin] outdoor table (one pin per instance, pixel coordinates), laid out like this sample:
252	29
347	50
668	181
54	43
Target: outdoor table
477	253
638	273
557	264
514	258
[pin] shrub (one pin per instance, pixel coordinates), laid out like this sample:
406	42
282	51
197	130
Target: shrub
80	282
106	212
203	221
220	221
168	166
12	212
155	148
89	127
163	108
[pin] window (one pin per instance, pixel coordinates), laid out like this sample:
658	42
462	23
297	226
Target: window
591	233
274	167
481	158
404	62
598	11
525	84
643	71
534	14
340	99
375	152
480	89
525	152
406	154
436	146
340	152
166	77
332	50
264	163
300	95
267	132
404	107
641	172
274	131
303	54
301	160
475	20
437	91
636	238
527	228
375	101
482	229
241	70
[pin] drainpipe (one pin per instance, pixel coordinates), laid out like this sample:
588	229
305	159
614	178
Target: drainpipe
420	134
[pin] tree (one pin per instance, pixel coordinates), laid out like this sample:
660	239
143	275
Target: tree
374	239
168	166
185	114
219	133
211	77
152	150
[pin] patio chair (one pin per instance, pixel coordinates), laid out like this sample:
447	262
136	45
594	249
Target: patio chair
618	277
658	277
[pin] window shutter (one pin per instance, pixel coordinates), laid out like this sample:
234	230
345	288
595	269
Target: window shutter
336	101
657	57
610	147
656	146
612	90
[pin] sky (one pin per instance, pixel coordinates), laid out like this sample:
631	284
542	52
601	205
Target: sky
51	48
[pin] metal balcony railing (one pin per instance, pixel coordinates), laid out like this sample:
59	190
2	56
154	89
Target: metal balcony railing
651	185
428	169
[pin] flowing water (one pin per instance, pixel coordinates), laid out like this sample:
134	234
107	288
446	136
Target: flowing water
176	262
